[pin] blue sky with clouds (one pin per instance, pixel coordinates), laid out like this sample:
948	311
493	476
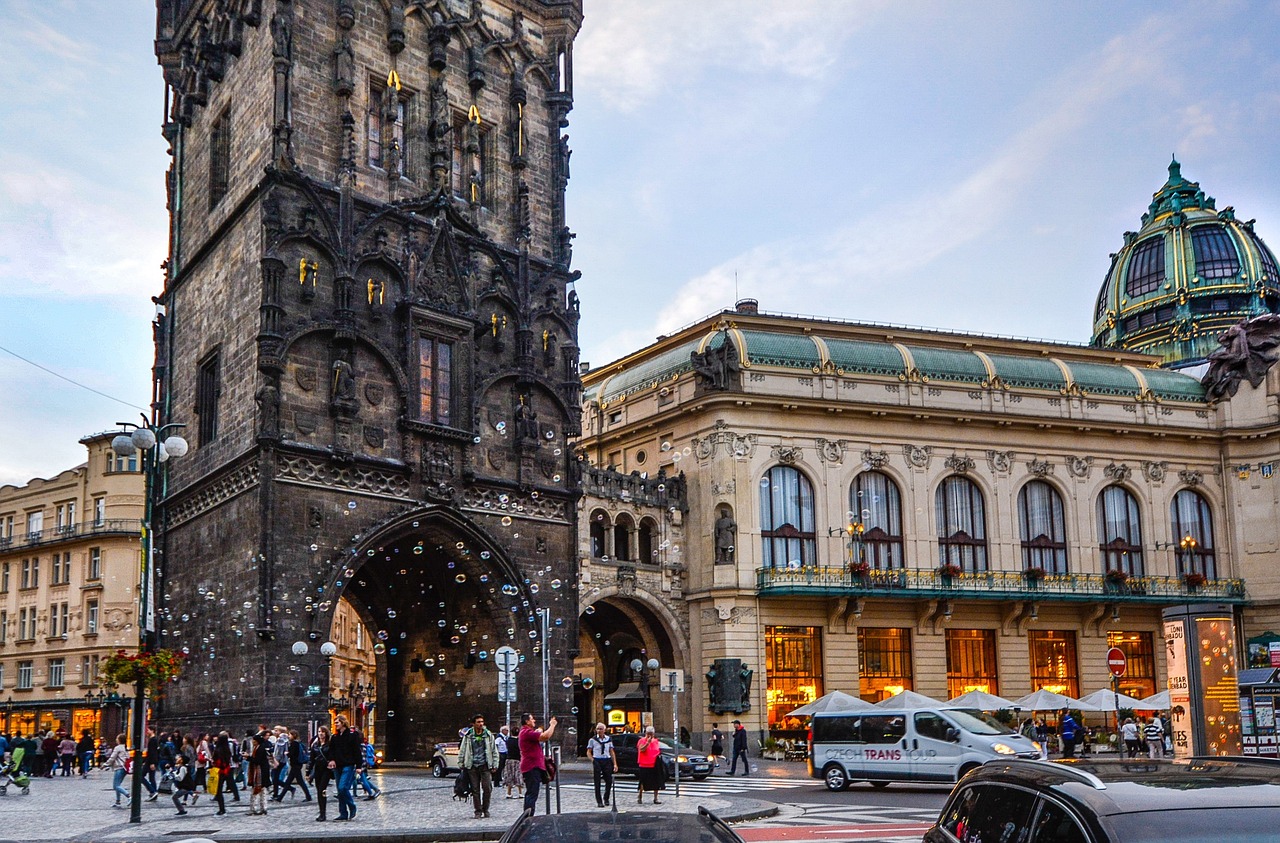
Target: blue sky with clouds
962	166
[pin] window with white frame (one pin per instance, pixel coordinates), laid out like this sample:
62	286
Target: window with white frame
91	618
4	625
57	672
35	525
25	675
99	511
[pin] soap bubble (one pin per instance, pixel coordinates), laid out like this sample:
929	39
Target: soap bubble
500	426
506	520
382	635
567	682
391	613
315	547
379	648
460	578
590	610
666	446
555	583
351	504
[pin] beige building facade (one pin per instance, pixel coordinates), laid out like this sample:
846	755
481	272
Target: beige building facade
69	562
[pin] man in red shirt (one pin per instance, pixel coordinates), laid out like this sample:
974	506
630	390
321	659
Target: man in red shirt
533	761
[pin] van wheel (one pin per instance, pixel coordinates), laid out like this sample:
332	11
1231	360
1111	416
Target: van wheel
964	771
437	769
879	785
835	778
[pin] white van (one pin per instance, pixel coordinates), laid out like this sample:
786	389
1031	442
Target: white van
908	745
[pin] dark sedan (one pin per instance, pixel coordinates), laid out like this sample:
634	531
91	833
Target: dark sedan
651	827
693	765
1198	800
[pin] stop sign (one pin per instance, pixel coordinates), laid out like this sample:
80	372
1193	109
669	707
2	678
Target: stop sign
1116	662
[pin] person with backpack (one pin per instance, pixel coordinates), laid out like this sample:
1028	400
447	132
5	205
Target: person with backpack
184	783
296	755
370	760
478	758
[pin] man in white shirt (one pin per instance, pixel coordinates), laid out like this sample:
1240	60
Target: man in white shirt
1129	735
604	763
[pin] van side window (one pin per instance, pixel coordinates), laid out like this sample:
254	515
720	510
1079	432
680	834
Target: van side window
930	725
883	728
837	730
1055	825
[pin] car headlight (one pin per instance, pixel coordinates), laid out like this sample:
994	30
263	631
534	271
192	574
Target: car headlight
683	759
1004	749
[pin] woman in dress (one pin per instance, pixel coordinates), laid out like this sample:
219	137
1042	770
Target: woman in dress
649	757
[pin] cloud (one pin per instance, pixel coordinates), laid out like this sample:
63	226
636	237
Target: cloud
632	52
892	242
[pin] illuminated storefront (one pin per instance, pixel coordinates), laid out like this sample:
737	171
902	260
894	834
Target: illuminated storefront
1139	678
971	661
885	656
793	663
1054	665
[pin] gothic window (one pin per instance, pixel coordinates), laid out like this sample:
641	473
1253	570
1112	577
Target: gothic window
622	530
1146	267
645	541
1120	531
962	525
435	380
1193	534
876	505
384	136
208	389
472	167
786	519
598	527
1215	253
219	158
1044	532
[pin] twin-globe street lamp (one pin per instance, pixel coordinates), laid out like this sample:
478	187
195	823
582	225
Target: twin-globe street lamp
644	669
146	440
328	649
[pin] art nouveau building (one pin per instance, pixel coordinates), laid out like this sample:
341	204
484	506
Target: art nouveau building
945	511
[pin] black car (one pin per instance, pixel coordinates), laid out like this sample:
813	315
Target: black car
1197	800
651	827
693	765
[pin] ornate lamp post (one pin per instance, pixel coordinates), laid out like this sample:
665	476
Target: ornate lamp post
644	669
316	690
155	449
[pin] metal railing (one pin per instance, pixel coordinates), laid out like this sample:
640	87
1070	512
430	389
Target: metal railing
51	535
991	585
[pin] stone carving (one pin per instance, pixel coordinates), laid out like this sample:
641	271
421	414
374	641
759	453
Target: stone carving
1248	351
959	464
305	423
830	450
627	579
917	455
729	686
343	388
214	494
344	68
726	531
1191	478
716	368
874	460
1154	471
1079	466
374	437
1000	462
1040	468
314	472
305	378
735	445
374	393
268	398
487	500
1119	472
786	454
726	488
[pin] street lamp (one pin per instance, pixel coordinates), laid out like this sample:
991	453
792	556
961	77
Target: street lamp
316	690
644	669
156	445
1188	545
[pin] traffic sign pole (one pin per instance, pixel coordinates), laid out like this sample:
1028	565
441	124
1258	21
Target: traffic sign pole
1117	663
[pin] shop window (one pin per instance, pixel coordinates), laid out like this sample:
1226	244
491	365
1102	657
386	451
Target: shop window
1120	531
786	518
1043	526
435	380
962	525
877	519
1192	522
1054	665
884	655
1139	678
793	667
971	661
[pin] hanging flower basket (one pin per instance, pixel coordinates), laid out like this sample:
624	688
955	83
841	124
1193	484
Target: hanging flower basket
949	571
860	569
155	669
1034	574
1194	580
1116	576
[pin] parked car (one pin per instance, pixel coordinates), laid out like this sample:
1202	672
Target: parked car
445	760
693	765
702	827
1198	800
908	745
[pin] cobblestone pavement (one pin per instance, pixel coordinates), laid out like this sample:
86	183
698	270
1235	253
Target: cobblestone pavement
413	807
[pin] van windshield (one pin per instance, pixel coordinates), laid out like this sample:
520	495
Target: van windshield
977	723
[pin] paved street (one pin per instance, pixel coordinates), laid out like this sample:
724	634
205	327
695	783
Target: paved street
774	804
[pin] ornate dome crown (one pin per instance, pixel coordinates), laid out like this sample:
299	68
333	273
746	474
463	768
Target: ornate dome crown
1188	274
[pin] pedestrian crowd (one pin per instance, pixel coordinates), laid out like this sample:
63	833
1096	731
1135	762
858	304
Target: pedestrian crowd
519	763
1146	735
55	753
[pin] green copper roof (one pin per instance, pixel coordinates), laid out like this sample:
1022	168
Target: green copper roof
1174	385
868	358
658	368
790	350
1029	372
1101	379
944	364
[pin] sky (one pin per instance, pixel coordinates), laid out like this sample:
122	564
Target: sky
951	165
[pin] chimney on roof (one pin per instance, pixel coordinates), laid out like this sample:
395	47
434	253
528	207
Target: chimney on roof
748	306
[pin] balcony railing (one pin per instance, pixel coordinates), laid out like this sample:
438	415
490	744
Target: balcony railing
991	585
85	529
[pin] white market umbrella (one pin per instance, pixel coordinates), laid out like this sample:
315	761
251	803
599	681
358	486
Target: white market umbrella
1155	702
910	699
1105	700
1043	700
834	701
982	701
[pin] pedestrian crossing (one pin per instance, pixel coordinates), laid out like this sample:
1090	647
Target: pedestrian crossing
798	814
720	785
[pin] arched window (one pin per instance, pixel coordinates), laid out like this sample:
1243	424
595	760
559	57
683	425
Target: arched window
1120	531
1193	534
622	529
786	519
962	525
645	541
1044	531
598	527
874	502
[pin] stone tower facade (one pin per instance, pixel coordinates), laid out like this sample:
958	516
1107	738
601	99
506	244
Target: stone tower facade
370	331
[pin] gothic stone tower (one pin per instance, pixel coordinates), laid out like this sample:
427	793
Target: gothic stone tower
371	334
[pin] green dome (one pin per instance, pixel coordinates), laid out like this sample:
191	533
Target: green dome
1187	275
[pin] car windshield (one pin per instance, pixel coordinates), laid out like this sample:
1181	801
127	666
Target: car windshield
1197	825
977	723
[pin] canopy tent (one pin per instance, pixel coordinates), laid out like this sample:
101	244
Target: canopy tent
1043	700
982	701
834	701
1155	702
909	699
1105	700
